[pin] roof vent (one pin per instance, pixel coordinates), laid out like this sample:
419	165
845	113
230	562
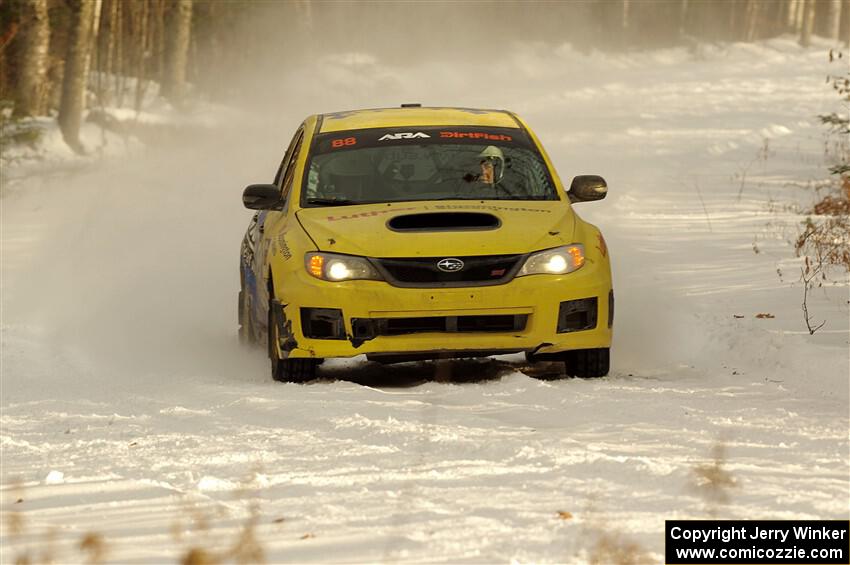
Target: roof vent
412	105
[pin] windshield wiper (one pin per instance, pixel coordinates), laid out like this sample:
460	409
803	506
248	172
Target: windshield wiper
516	197
453	198
526	198
335	201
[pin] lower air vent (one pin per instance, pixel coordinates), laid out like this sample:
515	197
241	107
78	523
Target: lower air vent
368	328
577	315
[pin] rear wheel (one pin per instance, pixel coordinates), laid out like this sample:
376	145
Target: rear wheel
287	370
588	363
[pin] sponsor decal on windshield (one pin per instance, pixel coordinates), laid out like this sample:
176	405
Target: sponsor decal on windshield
343	142
475	135
403	135
382	137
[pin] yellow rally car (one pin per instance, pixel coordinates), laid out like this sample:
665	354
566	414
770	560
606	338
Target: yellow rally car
414	233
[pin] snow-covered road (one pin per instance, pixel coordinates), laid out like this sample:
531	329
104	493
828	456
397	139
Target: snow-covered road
129	410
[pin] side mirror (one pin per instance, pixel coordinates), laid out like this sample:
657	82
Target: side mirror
261	196
586	188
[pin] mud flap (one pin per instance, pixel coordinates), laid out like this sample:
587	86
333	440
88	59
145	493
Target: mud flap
286	341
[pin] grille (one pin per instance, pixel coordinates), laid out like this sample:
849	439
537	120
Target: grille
423	271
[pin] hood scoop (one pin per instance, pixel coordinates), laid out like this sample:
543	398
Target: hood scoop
444	221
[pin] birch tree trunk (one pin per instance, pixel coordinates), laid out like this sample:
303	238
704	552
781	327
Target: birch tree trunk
794	12
833	19
177	33
107	62
751	19
683	17
33	43
157	45
73	101
141	21
808	23
844	30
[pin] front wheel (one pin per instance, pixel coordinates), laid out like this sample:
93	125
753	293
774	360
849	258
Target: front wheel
247	335
294	370
287	370
588	363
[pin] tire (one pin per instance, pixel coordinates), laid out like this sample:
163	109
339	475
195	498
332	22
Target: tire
288	370
294	370
588	363
247	333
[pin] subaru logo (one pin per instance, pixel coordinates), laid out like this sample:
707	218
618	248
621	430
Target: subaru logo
450	265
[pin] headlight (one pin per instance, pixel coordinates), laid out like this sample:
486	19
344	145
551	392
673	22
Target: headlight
335	268
557	261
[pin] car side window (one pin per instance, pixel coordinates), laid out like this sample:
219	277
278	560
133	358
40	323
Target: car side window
279	174
281	170
289	172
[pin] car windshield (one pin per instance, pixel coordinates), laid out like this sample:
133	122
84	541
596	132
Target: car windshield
379	165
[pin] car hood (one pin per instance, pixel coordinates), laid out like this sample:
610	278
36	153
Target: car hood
431	229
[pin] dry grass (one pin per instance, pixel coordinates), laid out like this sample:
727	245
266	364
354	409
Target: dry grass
606	544
92	548
207	548
824	243
712	481
614	549
833	206
825	239
198	556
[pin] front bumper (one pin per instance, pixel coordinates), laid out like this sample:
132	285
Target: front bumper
532	302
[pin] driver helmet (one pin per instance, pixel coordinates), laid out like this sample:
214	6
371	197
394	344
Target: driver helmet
494	155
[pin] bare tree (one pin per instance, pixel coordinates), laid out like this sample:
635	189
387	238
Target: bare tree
175	57
751	20
808	23
105	48
844	25
33	45
140	12
84	16
833	19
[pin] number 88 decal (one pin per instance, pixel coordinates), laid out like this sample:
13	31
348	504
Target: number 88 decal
345	142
